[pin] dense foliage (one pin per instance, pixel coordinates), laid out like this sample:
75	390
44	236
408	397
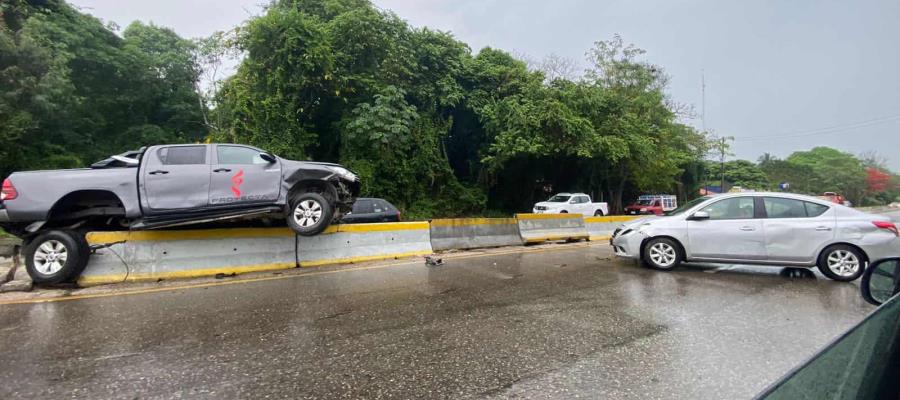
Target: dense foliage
73	91
438	130
428	124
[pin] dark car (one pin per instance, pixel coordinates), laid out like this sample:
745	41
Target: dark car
371	210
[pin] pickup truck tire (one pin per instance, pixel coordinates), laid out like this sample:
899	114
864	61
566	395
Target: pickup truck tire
308	214
56	257
598	213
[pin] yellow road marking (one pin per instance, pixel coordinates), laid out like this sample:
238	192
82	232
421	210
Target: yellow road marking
271	278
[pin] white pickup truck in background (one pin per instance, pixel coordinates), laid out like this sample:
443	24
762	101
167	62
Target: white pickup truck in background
574	203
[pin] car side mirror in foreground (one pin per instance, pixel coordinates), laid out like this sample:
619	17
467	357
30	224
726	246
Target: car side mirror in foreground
267	157
699	215
881	281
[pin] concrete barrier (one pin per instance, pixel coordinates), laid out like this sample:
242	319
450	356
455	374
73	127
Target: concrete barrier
601	228
156	255
473	233
535	228
341	244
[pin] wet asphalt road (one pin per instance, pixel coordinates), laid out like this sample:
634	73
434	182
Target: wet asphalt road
543	324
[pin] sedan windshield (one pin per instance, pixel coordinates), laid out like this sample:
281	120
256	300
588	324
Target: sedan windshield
687	206
559	199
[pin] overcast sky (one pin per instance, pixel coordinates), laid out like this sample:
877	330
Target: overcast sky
780	75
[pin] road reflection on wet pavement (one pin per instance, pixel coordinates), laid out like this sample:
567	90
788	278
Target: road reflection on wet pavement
551	324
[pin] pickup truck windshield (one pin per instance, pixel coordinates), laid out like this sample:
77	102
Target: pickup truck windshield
644	202
559	199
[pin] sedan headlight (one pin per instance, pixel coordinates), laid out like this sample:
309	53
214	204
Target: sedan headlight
343	173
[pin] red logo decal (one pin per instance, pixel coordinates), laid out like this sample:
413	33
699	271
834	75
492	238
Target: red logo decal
236	181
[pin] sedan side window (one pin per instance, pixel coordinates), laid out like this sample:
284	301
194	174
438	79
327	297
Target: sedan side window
362	207
777	207
733	208
814	210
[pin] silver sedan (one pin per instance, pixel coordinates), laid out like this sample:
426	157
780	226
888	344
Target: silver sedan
761	228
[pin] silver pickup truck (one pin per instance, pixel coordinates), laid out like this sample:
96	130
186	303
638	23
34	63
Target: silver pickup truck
165	186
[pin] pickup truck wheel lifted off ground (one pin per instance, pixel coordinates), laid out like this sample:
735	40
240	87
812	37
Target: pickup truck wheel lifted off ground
56	256
309	213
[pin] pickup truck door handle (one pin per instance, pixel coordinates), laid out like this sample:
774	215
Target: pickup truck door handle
221	170
748	228
159	171
823	228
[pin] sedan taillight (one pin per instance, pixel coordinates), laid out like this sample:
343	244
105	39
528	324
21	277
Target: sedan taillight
887	225
9	191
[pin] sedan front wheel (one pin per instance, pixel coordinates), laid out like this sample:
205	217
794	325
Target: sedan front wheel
662	254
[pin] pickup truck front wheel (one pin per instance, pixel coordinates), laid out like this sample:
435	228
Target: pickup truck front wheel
56	257
309	213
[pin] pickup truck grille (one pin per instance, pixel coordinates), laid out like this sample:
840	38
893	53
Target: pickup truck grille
541	208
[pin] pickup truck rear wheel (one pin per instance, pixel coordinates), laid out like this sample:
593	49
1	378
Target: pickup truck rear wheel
598	213
56	257
308	214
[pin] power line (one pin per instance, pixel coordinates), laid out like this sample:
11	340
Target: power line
823	131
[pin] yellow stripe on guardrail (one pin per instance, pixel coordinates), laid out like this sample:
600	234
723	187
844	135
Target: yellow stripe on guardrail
547	216
611	218
206	234
472	221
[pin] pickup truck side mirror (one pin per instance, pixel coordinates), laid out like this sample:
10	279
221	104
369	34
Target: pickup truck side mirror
267	157
881	281
700	215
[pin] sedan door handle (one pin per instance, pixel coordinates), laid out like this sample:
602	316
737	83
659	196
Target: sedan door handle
221	170
159	171
748	228
823	228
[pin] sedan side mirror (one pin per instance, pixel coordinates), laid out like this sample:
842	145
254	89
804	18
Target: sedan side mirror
881	281
700	215
267	157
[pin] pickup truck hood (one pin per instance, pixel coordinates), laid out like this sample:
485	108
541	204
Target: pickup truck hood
549	204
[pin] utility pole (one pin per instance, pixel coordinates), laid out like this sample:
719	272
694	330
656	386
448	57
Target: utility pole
723	151
703	100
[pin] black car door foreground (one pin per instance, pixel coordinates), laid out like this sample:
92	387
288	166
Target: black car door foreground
362	212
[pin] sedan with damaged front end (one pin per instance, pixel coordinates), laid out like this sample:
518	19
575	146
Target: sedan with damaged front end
761	228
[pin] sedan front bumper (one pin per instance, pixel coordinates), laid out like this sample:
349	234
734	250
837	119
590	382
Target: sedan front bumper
627	243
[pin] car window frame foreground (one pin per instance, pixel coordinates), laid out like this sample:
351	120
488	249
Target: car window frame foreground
871	372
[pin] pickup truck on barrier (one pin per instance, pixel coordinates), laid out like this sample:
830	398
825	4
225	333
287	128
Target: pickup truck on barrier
575	203
165	186
656	204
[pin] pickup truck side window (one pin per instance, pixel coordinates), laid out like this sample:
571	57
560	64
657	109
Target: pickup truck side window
238	155
182	155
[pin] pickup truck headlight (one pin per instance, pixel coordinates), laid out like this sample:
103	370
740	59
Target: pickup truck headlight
643	210
343	173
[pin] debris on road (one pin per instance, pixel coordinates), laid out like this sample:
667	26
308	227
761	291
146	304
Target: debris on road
432	260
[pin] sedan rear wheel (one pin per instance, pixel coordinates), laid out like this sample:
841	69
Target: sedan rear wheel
662	254
842	263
